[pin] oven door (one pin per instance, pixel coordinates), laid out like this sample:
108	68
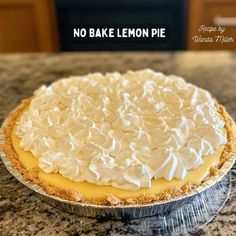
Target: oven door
135	12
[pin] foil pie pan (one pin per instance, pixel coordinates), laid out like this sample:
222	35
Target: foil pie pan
121	211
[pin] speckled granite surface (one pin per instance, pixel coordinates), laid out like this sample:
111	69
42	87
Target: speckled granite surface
21	213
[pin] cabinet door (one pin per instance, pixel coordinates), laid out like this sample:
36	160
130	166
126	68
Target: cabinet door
27	26
211	13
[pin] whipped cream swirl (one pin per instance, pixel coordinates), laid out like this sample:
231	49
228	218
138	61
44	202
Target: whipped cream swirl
121	130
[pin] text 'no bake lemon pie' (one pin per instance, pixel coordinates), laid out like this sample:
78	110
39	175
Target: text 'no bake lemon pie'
128	138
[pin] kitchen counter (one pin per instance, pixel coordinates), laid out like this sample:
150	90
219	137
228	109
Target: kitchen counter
21	212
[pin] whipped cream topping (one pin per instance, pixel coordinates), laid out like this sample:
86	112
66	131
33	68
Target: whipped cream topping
121	130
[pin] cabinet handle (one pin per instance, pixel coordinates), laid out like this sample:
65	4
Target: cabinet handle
224	21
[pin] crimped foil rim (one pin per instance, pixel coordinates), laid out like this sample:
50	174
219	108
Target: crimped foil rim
227	165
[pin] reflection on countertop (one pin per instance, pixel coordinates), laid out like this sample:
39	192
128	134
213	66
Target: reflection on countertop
21	212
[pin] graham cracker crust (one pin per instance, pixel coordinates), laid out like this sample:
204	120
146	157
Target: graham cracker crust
110	199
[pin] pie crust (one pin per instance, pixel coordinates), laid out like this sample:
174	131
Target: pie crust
32	175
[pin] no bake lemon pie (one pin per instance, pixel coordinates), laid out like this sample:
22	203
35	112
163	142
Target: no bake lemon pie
118	138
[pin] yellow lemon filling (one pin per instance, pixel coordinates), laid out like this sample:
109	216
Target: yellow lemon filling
94	191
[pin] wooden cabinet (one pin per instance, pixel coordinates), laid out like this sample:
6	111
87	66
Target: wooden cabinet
27	26
211	13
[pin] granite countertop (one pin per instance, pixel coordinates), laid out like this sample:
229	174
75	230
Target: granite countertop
21	212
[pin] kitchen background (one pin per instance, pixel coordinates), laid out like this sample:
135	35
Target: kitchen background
40	25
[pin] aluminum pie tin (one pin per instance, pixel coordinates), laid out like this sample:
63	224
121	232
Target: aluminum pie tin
119	211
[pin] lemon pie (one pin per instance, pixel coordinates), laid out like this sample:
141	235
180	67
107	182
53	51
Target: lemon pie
129	138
